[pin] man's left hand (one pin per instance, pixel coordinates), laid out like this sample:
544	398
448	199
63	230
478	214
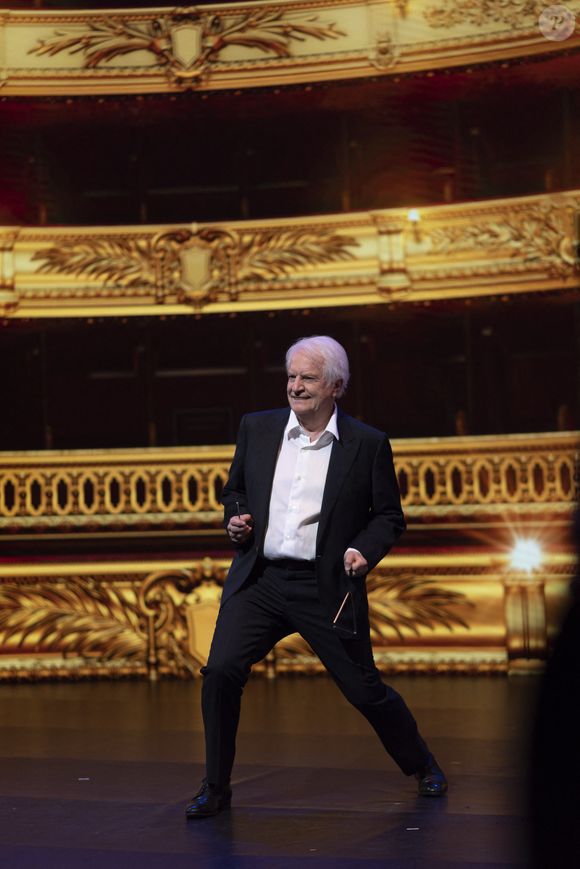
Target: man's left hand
355	564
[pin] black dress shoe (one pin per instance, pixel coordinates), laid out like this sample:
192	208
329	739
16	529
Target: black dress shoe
209	801
431	778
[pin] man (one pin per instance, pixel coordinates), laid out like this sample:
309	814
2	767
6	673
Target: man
311	505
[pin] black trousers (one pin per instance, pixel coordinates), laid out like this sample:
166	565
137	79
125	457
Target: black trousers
277	601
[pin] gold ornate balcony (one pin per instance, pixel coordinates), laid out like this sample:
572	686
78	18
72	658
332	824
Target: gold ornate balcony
438	613
258	45
484	479
435	611
484	249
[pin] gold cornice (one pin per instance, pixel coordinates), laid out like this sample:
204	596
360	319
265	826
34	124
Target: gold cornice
167	49
494	248
474	445
468	445
481	564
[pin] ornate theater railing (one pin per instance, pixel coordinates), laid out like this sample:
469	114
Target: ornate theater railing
492	248
468	612
258	44
438	613
179	488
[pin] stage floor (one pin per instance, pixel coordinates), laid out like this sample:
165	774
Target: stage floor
96	776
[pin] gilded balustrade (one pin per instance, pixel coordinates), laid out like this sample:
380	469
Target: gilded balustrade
485	249
115	489
212	47
179	488
527	473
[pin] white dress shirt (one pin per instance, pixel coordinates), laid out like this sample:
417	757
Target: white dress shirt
297	491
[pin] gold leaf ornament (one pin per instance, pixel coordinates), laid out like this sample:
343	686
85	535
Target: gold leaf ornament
103	40
516	13
126	262
186	42
541	232
411	604
79	619
276	253
225	260
271	31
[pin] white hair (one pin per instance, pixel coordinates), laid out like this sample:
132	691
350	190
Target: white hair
330	352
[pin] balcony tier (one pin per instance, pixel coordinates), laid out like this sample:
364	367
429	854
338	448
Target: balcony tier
251	45
483	249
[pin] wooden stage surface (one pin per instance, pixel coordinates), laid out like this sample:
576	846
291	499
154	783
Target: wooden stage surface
96	776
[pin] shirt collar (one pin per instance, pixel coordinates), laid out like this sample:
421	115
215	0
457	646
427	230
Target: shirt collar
293	427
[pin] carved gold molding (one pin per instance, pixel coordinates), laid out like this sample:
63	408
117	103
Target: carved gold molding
258	44
196	267
188	42
116	620
437	612
491	248
450	13
486	479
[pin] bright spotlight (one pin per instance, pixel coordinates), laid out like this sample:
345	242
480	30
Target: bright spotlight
526	555
413	215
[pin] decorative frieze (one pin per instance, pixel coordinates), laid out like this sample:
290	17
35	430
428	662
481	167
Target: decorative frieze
438	613
195	266
478	13
185	43
259	45
489	248
540	232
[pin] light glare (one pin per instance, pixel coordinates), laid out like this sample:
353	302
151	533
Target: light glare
526	555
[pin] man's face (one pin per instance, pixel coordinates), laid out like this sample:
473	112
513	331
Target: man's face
309	394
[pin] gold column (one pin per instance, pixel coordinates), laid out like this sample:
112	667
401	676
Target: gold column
525	619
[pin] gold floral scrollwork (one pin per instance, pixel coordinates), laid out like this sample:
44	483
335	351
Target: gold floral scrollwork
194	266
541	232
271	254
198	267
75	618
406	604
171	263
516	13
122	261
170	602
160	600
187	41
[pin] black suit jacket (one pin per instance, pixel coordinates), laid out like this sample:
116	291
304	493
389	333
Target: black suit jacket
361	507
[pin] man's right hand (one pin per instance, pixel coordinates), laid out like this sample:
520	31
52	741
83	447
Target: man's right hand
239	528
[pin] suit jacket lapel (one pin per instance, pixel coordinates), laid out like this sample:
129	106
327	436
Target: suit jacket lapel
269	439
342	456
